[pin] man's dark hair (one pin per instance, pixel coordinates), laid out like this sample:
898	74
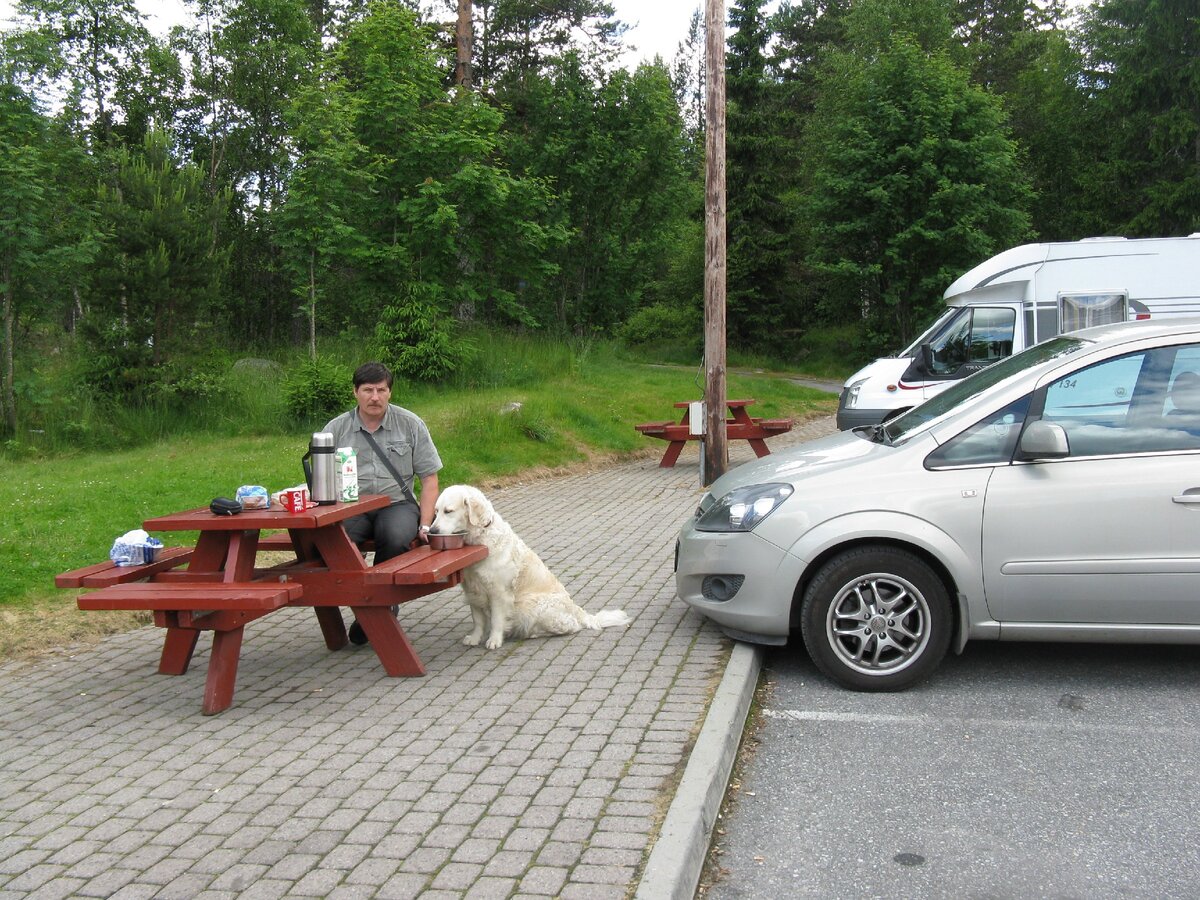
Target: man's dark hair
372	373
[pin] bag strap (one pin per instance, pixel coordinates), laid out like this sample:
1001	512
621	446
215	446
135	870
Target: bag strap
404	488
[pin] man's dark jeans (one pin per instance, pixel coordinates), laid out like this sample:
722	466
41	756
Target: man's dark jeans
392	528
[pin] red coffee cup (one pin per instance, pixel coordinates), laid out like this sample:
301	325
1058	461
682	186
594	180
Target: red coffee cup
295	500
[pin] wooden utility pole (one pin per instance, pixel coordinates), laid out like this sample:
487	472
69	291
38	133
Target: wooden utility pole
716	445
464	34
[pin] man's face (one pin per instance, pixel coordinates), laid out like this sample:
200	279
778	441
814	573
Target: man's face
373	398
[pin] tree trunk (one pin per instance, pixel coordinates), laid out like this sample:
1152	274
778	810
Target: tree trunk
464	35
312	304
716	445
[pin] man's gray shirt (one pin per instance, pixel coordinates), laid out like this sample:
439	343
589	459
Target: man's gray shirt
405	440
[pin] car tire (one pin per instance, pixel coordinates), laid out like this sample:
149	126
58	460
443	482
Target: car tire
876	619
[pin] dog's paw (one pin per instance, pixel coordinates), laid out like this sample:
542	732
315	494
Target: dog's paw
472	640
493	643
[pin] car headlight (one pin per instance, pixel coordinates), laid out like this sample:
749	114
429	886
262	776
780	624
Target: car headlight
743	508
852	392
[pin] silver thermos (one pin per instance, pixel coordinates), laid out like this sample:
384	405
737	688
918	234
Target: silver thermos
320	475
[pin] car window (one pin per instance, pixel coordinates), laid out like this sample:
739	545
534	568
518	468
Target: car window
1132	404
990	441
1180	401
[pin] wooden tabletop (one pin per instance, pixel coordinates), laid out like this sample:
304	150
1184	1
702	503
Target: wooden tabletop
732	404
251	519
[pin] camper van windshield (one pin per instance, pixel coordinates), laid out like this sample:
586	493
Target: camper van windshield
914	349
962	391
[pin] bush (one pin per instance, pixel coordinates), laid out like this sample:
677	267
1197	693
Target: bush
417	337
175	382
317	390
660	323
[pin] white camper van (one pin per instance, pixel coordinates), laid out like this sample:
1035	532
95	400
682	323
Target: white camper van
1022	297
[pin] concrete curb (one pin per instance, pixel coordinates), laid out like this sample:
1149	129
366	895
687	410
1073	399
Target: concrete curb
677	859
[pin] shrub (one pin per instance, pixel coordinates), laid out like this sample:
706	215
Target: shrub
417	337
661	323
318	389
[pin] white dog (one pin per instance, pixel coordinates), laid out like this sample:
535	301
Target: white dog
511	592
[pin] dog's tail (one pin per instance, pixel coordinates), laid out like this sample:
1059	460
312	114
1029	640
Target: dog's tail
607	618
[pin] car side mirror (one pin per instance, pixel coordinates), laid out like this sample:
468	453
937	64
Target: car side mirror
1044	440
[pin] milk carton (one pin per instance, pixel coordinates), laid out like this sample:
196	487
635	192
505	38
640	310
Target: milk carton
345	462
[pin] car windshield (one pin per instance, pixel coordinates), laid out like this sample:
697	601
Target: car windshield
962	391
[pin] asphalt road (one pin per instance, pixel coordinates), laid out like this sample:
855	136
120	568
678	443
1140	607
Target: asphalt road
1018	770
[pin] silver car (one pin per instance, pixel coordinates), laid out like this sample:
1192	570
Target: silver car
1053	496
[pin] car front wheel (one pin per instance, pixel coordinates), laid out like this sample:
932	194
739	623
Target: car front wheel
876	619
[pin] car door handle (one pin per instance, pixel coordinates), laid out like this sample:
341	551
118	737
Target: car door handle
1190	497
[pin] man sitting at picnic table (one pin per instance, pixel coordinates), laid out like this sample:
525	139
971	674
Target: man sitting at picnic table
392	445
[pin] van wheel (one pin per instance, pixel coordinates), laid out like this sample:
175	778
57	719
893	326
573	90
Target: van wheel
876	619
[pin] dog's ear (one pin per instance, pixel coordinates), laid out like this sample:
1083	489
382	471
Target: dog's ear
477	509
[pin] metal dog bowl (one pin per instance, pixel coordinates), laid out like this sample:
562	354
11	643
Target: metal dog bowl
447	541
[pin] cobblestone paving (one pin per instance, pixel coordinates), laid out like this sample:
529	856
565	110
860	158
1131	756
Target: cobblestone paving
538	770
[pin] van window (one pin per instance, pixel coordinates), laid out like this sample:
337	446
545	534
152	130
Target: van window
1077	311
980	334
1047	321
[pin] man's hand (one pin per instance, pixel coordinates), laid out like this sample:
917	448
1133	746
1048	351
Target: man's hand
423	534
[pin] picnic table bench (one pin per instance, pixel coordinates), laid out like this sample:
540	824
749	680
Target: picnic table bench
740	426
217	586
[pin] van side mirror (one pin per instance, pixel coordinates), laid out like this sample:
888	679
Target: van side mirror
1044	440
927	358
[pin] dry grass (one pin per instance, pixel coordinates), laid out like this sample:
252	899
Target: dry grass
58	626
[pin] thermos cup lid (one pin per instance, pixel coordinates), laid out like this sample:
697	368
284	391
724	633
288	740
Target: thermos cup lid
322	439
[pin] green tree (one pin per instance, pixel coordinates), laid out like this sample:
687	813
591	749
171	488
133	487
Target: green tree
803	31
46	231
1051	122
915	177
450	229
249	59
688	82
999	37
88	43
1143	74
319	221
521	37
611	144
157	275
23	222
761	176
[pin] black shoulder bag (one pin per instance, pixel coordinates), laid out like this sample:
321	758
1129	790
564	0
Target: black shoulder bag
404	488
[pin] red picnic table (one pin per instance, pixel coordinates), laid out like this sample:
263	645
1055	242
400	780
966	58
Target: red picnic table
217	586
740	426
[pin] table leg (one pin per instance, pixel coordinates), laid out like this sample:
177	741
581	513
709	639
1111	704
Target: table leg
332	626
760	447
672	455
178	647
222	670
389	641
